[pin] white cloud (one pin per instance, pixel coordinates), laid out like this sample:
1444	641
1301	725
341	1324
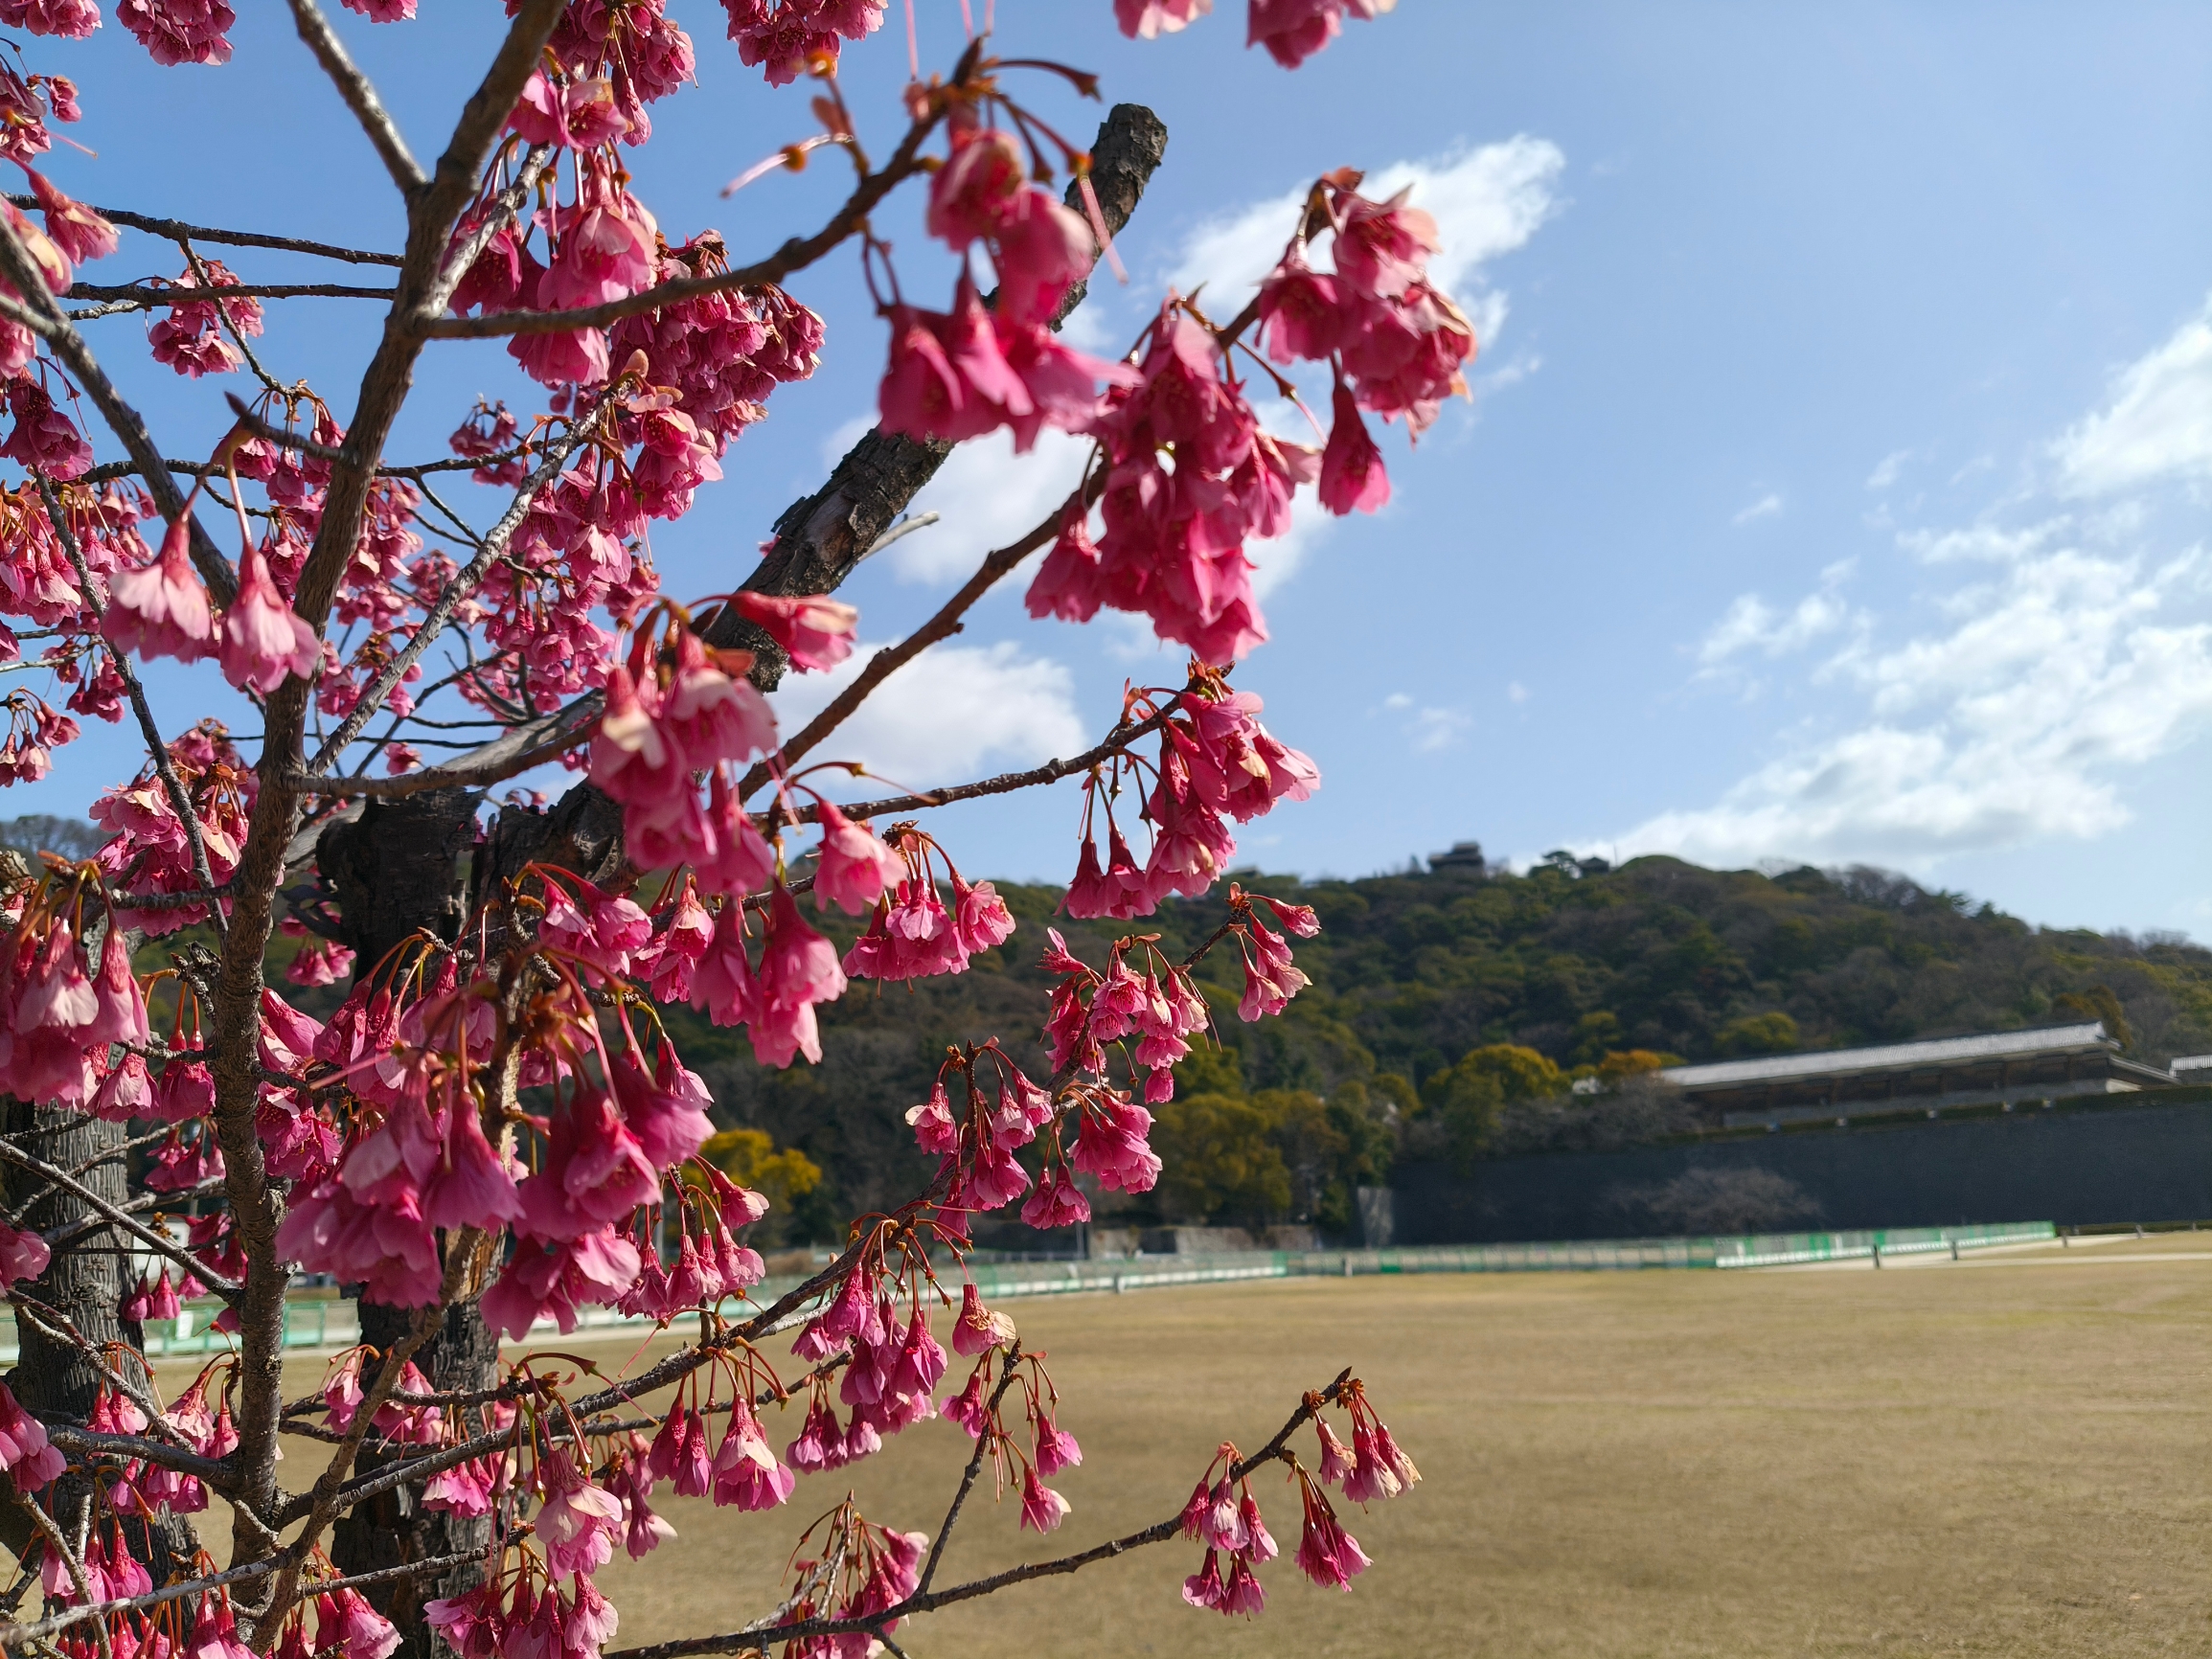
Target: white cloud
1434	729
1510	374
1766	506
1488	202
1516	692
2158	423
942	716
1752	624
986	497
1888	469
2007	725
1982	541
1398	700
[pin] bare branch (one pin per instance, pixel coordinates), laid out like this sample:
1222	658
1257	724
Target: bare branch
37	311
1006	782
121	1446
465	581
180	802
176	230
144	1234
145	296
360	97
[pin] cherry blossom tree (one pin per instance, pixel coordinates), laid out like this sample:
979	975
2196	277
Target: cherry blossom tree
493	1130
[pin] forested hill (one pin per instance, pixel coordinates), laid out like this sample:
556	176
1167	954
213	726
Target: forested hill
1575	961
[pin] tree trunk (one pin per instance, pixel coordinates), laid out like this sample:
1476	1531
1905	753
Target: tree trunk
83	1285
396	871
394	1529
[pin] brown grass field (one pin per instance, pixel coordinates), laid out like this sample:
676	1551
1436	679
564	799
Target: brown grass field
2009	1457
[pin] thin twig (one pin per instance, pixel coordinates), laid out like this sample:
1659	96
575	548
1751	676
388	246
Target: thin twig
983	1444
761	1637
172	230
146	1236
360	97
36	312
180	802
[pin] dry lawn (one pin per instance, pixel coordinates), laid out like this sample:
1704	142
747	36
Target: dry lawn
2007	1455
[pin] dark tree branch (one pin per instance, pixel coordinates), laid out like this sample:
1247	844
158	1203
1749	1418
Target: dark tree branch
759	1638
144	1234
145	296
177	231
377	121
36	310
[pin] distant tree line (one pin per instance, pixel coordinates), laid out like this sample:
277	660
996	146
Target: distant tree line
1452	1013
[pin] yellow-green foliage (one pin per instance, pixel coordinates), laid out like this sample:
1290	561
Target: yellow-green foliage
749	1158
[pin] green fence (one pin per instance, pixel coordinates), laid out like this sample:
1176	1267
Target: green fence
326	1323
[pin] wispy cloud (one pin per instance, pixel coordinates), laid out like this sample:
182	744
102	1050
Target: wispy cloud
2068	654
1768	506
1751	626
2156	426
1488	202
1888	469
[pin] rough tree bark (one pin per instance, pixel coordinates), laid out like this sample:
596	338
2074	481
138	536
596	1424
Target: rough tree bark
83	1286
394	871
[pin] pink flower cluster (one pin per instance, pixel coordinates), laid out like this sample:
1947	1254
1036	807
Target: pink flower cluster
70	19
959	374
1224	1514
978	1140
60	1013
180	30
1216	762
710	1262
507	1616
781	37
190	338
672	714
1161	1009
28	1456
862	1570
912	932
633	45
150	850
722	355
1189	477
1398	346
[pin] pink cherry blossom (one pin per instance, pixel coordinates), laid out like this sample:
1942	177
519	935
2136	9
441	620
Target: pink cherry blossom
1043	1510
23	1255
25	1452
162	610
1146	19
1352	477
262	639
854	866
814	630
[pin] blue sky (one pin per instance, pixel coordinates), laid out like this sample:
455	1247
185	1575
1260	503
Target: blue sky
1834	486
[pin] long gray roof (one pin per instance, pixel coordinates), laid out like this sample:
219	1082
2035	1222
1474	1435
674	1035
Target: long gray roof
2005	1045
